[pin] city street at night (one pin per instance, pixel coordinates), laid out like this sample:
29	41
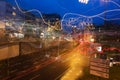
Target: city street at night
59	39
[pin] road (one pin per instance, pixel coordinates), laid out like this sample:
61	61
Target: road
26	65
52	67
57	69
49	72
38	67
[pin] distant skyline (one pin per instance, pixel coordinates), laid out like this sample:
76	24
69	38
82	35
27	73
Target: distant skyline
62	7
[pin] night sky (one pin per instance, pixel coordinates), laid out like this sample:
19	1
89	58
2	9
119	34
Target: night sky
61	7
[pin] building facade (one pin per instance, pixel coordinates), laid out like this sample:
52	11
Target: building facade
9	14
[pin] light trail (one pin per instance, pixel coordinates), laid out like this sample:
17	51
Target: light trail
35	10
97	15
114	15
32	10
77	62
109	19
80	16
111	1
115	3
111	49
103	13
94	16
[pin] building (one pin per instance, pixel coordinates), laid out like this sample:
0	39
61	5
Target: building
29	17
9	14
51	18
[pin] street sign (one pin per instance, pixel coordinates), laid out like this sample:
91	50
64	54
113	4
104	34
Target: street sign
100	74
99	67
106	70
99	60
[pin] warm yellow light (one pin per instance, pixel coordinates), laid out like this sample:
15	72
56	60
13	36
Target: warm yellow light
92	40
2	24
13	13
77	62
53	37
49	29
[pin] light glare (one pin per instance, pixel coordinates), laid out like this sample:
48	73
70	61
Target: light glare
84	1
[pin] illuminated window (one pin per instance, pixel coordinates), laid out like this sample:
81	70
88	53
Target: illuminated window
13	13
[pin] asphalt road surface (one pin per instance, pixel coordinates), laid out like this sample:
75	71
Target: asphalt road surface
35	66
